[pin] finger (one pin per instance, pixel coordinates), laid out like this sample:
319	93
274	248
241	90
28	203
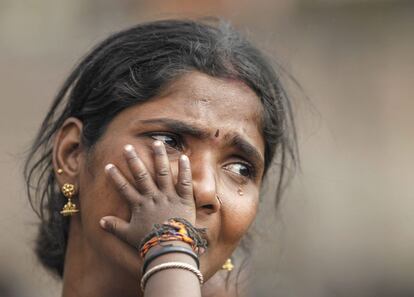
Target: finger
143	180
116	226
122	185
184	183
162	167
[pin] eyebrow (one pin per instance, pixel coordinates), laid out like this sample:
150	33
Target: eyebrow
178	127
236	140
231	139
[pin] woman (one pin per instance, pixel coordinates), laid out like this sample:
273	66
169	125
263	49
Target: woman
169	119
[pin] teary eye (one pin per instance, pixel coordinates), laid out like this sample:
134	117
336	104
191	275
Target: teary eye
242	169
171	141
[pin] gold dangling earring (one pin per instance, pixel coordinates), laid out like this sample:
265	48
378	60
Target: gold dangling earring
228	265
69	208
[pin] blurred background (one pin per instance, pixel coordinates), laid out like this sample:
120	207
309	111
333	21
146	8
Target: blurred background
345	225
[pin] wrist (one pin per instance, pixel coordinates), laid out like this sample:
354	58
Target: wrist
169	243
172	251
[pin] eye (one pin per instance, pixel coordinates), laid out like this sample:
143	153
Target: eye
243	169
169	140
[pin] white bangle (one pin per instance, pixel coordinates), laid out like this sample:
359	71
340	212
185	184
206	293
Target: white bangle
171	265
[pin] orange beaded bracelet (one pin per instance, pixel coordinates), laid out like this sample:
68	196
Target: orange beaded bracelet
175	229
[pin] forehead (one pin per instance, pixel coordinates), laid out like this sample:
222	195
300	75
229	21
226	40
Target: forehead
213	103
203	92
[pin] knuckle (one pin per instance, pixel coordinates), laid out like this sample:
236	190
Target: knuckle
150	194
163	172
123	187
113	226
186	183
142	176
136	208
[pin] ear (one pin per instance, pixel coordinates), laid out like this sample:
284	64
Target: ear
67	151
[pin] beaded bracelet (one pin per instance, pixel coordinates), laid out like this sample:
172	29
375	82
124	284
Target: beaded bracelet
172	230
165	238
170	265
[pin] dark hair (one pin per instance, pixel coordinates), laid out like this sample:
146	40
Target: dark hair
133	66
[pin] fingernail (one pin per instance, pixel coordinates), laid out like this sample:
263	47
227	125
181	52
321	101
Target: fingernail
158	146
102	222
130	151
129	148
108	167
184	158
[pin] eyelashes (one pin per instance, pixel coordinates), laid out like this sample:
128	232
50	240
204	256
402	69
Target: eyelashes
243	169
169	140
172	141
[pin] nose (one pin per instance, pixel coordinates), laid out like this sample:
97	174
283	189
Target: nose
205	188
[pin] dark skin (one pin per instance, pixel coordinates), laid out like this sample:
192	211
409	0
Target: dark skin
148	181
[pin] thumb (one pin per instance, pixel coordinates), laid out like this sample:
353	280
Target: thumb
116	226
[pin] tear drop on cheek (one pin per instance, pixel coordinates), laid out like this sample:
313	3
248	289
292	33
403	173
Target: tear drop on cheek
240	192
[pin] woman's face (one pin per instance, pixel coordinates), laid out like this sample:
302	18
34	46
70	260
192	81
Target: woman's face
216	123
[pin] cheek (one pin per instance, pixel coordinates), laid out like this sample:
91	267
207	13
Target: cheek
238	214
100	196
98	199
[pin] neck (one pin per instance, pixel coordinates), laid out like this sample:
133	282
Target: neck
87	274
